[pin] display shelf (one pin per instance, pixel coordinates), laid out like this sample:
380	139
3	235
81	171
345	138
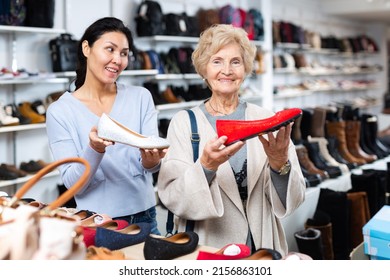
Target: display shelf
14	128
176	39
21	180
22	81
26	29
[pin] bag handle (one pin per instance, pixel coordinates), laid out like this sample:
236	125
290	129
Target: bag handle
66	196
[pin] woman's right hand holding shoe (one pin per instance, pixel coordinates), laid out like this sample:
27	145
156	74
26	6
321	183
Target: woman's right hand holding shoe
96	143
215	152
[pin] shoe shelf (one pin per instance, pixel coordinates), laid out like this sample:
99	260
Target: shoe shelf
329	52
13	128
25	29
127	73
176	39
21	180
189	76
324	72
16	81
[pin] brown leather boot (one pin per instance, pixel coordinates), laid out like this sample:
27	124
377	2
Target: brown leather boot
318	122
322	222
360	215
307	164
337	129
352	132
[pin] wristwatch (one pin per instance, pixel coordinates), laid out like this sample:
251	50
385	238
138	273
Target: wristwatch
285	169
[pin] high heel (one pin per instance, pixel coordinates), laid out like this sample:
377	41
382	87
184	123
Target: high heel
238	130
110	129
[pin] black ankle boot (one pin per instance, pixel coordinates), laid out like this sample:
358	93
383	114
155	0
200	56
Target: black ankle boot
316	157
309	242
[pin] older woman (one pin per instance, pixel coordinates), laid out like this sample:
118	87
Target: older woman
235	193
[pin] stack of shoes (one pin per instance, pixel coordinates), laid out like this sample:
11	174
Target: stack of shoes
28	112
168	248
90	221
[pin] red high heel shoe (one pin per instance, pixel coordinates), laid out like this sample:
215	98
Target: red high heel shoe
237	130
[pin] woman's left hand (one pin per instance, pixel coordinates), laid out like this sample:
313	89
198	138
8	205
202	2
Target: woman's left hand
276	147
152	157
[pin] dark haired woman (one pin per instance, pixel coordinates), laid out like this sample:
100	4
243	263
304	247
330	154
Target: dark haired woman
121	183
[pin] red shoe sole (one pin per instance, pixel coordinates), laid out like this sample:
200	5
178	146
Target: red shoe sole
243	130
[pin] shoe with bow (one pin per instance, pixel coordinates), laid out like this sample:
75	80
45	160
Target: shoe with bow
110	129
240	130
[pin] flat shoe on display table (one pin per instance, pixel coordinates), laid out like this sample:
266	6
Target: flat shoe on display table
89	233
240	130
101	253
118	239
110	129
264	254
168	248
229	252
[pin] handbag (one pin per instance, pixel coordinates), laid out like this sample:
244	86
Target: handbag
29	232
63	50
195	139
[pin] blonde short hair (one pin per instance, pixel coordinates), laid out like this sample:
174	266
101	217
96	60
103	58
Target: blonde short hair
217	36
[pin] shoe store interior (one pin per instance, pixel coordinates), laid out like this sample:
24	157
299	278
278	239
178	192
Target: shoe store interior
329	58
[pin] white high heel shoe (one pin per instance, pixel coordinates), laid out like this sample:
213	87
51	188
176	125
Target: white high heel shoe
110	129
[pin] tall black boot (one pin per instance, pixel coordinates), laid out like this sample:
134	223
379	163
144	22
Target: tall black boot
336	205
309	242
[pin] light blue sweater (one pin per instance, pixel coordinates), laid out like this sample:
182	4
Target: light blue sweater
119	185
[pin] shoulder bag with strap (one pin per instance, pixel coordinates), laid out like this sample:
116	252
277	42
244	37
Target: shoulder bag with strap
195	147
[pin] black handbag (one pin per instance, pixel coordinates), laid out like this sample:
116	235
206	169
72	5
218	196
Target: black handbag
63	50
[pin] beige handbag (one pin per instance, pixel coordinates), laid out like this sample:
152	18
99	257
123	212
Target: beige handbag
28	232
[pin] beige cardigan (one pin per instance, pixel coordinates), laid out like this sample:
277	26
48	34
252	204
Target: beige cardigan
217	208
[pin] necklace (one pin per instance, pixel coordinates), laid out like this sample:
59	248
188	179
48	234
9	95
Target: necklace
216	111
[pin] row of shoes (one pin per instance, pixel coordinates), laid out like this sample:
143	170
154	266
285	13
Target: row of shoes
175	94
7	74
287	32
23	113
106	237
298	62
27	112
332	140
325	85
11	172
